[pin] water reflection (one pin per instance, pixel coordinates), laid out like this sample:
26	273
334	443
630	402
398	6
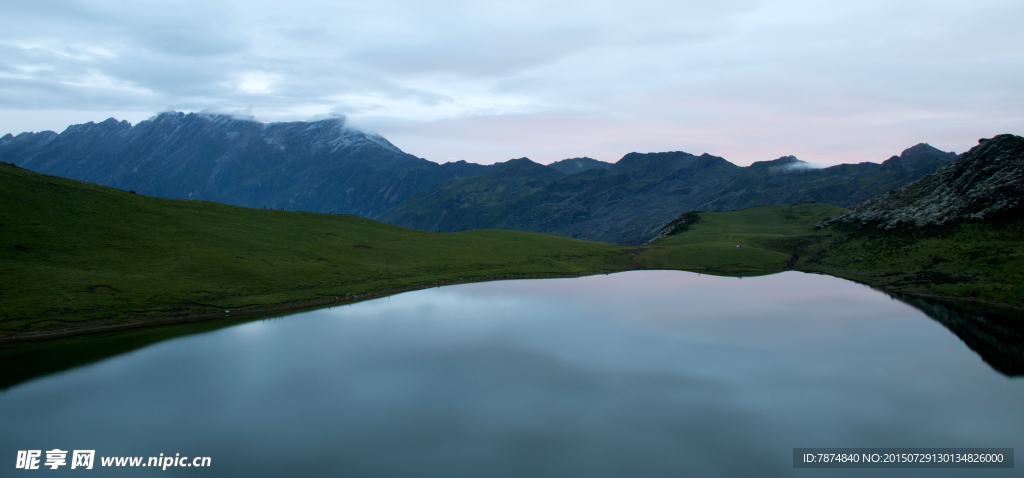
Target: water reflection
995	333
652	373
24	361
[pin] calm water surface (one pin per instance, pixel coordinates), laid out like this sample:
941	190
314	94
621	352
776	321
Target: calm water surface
652	373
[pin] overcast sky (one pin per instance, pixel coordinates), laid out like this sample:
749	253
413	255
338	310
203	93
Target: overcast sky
829	82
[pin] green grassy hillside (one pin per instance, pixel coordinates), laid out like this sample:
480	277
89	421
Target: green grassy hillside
75	255
710	243
976	261
79	257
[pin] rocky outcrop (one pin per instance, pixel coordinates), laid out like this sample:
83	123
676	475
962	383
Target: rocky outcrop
986	181
678	225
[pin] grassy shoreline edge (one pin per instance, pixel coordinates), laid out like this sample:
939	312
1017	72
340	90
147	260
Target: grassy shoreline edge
298	305
314	304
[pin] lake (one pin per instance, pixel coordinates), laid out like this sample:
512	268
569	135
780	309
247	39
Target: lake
645	373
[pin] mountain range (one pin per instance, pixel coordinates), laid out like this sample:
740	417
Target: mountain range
325	166
629	201
319	166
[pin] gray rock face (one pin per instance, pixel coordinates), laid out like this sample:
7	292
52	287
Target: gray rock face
985	181
318	166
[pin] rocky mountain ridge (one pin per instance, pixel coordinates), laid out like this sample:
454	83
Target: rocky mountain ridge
986	181
325	166
632	199
318	166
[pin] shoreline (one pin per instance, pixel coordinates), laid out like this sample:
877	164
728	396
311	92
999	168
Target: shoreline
141	322
917	294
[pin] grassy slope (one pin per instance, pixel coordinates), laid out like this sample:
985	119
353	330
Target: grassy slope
77	255
711	242
977	261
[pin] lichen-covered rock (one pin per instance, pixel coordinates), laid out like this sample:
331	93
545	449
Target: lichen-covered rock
986	180
678	225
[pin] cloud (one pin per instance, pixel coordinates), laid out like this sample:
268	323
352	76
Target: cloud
801	166
255	82
487	81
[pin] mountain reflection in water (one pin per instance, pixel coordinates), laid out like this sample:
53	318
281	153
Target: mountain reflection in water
645	373
995	333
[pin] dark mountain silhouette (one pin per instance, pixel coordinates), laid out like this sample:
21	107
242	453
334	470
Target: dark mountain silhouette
578	165
318	166
631	200
323	166
490	199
